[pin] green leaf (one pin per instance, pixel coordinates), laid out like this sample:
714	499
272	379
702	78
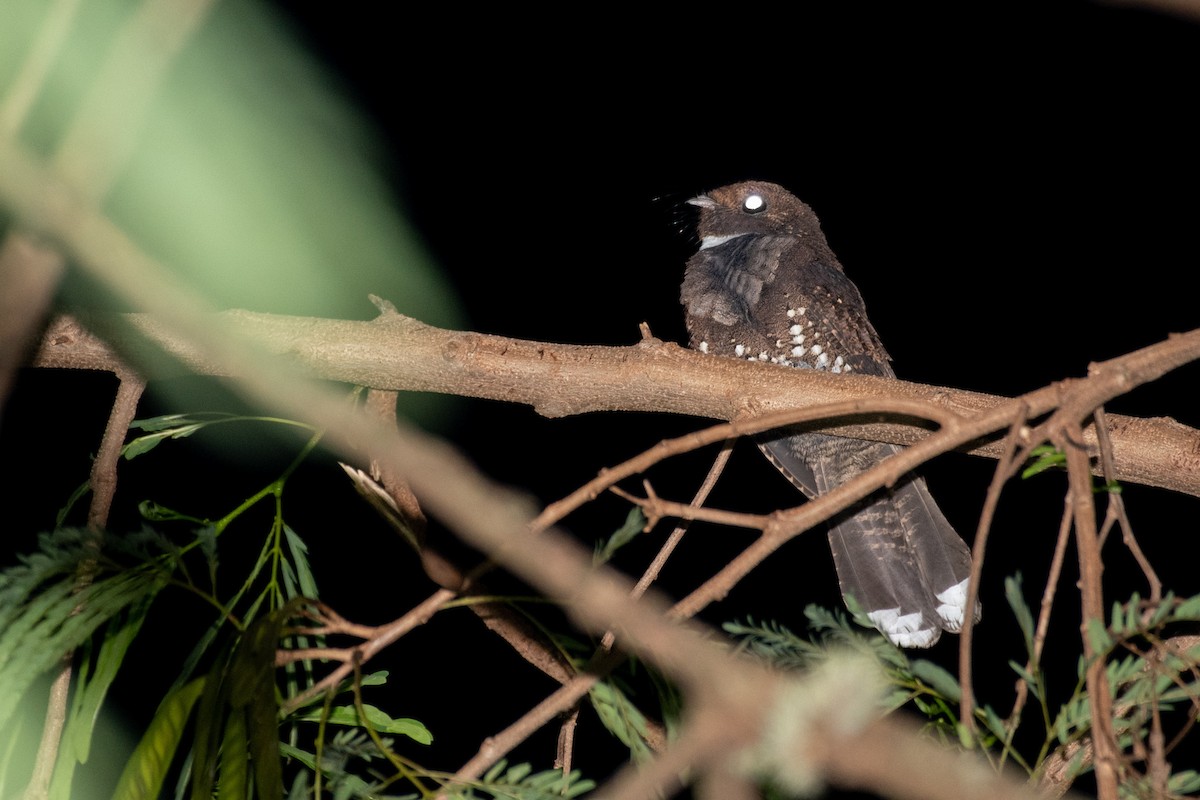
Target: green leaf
210	727
170	422
1025	675
1043	458
1189	608
493	774
635	523
299	553
168	426
1117	623
1185	781
234	776
91	688
1163	609
993	723
1016	601
154	512
44	614
263	729
60	519
621	717
379	720
1060	727
1098	636
252	692
143	775
938	679
517	773
519	782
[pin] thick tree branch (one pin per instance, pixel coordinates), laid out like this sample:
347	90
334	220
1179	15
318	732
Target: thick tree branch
399	353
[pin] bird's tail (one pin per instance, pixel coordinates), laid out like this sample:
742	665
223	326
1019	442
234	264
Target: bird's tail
895	553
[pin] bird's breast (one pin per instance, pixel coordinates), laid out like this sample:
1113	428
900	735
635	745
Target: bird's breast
769	298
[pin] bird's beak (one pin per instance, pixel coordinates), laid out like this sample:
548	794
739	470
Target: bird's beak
702	200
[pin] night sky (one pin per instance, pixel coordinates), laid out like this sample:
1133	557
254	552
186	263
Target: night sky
1011	186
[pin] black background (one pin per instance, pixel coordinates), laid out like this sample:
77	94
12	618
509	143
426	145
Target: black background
1011	186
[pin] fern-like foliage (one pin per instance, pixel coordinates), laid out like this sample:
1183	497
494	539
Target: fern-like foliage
46	610
1154	679
520	782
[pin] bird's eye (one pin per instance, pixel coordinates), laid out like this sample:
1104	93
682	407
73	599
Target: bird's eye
754	203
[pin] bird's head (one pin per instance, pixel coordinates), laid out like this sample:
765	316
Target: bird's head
752	207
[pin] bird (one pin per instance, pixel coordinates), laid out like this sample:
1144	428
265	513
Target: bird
765	286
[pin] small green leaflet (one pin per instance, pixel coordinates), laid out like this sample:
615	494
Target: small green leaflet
347	715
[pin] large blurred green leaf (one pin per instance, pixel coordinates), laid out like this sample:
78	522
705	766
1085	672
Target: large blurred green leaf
249	173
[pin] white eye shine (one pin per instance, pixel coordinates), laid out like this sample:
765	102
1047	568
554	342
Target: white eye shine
754	203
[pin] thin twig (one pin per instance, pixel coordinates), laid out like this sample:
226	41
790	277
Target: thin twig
563	698
386	634
1116	508
1055	779
660	558
602	661
403	510
566	741
1008	463
1079	478
655	508
747	426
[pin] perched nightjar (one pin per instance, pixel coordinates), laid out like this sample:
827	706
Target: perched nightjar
765	286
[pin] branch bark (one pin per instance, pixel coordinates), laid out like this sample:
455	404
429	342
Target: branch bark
395	352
